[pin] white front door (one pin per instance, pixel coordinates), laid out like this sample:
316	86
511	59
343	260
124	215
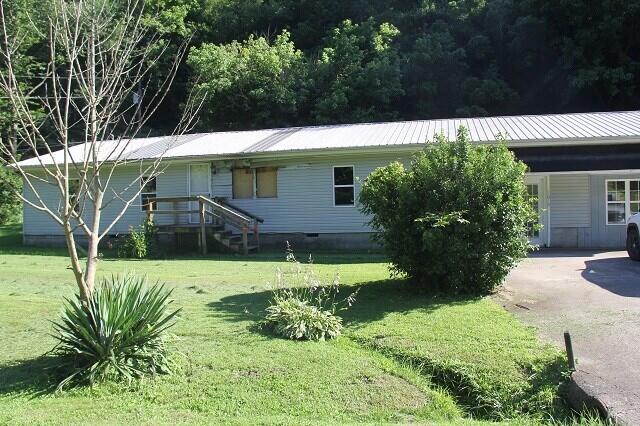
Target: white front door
537	195
199	184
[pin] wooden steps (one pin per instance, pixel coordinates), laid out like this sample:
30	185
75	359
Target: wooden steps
216	217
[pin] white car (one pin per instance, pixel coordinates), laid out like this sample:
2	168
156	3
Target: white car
633	237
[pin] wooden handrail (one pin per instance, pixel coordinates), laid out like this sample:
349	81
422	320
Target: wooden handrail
220	209
226	211
172	199
224	201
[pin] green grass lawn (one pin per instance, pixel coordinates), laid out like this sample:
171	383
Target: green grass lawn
404	357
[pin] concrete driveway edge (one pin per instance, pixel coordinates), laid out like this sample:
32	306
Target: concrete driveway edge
582	396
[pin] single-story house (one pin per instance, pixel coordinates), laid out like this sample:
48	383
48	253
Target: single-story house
304	181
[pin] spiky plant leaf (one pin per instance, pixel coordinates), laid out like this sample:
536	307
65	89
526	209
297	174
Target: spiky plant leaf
120	333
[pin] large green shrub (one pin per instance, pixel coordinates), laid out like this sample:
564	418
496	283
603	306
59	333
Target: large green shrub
456	219
9	202
303	306
120	333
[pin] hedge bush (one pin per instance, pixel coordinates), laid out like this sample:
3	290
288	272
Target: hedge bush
456	219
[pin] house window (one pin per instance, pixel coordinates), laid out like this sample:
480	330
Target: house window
266	182
74	190
148	185
242	183
343	186
623	200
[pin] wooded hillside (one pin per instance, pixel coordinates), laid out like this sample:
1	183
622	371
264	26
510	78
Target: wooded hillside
268	63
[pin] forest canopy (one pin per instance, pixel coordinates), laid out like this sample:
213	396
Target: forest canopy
273	63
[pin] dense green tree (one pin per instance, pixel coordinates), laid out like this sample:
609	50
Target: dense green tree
10	205
250	84
357	77
365	60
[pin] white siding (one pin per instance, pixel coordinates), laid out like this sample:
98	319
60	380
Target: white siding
305	197
36	222
40	223
304	203
570	201
173	182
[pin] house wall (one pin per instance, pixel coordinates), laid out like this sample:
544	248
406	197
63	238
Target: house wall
578	211
603	235
570	210
39	227
305	196
304	205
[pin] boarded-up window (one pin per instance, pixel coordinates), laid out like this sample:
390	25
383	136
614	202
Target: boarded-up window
242	183
266	182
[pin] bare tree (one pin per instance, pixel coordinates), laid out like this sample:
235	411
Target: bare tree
100	54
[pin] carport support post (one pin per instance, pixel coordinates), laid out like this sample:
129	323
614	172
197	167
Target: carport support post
569	347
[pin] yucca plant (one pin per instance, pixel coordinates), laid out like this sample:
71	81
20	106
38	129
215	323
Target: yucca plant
120	333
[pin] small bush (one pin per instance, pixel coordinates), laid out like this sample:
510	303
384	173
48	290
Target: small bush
302	306
297	320
140	243
120	333
456	219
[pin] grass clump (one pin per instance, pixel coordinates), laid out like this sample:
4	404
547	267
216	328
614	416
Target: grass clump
303	306
120	333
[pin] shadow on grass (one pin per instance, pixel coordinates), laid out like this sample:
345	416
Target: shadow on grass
334	257
33	376
375	299
483	397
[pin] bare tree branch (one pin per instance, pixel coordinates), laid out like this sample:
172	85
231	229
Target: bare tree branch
98	57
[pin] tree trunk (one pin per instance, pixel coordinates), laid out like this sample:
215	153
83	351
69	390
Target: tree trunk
94	241
75	263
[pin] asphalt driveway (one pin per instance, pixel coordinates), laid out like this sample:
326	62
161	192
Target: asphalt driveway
595	296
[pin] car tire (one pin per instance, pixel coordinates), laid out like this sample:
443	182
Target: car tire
633	244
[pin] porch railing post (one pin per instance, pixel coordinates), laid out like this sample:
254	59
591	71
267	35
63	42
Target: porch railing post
245	239
203	229
256	234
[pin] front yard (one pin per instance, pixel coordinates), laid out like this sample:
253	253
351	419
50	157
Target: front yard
404	357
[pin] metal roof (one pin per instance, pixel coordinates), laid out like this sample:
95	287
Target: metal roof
523	130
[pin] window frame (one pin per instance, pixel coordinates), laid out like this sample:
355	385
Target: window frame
627	200
143	193
334	186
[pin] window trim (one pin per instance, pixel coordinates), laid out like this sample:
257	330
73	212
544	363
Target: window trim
334	186
626	202
142	178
